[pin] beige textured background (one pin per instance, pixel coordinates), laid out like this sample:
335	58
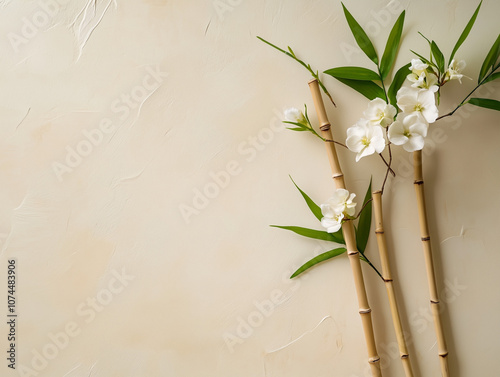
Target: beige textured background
114	281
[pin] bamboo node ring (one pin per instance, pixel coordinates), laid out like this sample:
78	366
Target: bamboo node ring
325	127
387	280
426	238
365	311
434	302
379	232
352	252
374	360
419	182
405	356
443	355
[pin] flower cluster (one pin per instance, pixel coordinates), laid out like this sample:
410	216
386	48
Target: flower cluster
417	105
367	135
339	207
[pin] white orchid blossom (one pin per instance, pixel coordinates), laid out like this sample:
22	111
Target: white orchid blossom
454	70
426	80
380	113
294	115
338	207
409	130
365	139
417	66
422	76
421	101
332	223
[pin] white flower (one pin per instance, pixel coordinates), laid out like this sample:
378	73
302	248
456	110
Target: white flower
365	139
336	208
380	113
426	80
417	67
422	101
333	223
454	69
409	130
294	115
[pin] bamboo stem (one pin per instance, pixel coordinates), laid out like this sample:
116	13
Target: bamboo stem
349	235
389	283
431	277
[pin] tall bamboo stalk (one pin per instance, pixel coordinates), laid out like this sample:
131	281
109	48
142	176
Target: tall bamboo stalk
389	283
348	232
431	277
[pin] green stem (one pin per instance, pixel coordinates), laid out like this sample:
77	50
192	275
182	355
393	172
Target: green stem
383	85
306	66
364	258
471	93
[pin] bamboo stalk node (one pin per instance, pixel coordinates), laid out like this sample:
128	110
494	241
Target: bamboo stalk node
387	280
379	232
419	182
348	232
426	238
405	356
444	354
434	302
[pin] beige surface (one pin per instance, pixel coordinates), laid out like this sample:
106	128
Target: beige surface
177	96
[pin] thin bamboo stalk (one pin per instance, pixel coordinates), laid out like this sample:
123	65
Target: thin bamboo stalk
431	276
349	235
389	282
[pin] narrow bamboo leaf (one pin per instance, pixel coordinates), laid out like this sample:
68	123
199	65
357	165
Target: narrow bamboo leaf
427	39
391	46
367	88
484	102
492	77
426	61
438	55
297	129
361	38
353	73
315	209
490	59
466	32
312	233
397	83
365	220
320	258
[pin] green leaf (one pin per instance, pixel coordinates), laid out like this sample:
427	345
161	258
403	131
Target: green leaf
484	102
492	77
365	220
466	32
397	83
367	88
438	55
353	73
315	209
426	61
312	233
391	46
320	258
361	38
490	59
